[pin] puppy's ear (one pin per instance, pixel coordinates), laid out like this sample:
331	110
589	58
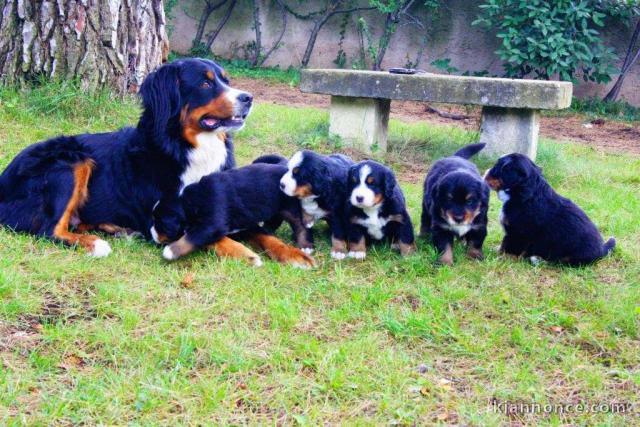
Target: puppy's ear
160	94
389	184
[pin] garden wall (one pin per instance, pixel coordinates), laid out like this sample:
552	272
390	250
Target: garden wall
450	35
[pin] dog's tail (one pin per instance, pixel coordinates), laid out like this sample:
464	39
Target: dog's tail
469	151
608	247
271	159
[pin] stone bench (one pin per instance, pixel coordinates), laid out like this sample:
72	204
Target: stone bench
360	103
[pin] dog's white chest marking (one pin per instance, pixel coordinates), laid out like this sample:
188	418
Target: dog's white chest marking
208	157
373	222
460	229
504	198
311	207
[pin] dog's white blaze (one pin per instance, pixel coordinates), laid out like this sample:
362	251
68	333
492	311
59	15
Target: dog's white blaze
208	157
311	207
287	179
373	222
362	190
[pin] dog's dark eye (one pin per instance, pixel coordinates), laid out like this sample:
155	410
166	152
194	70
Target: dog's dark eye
470	201
354	179
370	180
295	170
206	84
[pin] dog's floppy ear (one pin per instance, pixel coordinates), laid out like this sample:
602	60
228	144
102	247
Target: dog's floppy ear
389	184
160	94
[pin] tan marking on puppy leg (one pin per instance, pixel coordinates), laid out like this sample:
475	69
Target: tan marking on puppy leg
359	246
407	249
279	251
178	249
229	248
447	256
81	175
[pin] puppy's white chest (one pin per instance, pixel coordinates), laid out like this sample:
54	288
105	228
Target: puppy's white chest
460	229
504	197
208	157
373	222
311	207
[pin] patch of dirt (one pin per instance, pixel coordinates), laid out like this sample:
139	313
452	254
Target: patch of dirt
607	135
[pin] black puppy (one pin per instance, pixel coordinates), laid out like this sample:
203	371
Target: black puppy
537	221
320	182
230	202
376	209
455	204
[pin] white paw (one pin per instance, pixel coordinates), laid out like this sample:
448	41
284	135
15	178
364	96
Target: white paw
535	260
310	224
256	262
338	255
357	254
154	234
307	251
168	254
100	249
395	246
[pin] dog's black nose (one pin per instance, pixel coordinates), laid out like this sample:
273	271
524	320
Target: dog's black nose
245	98
359	199
282	186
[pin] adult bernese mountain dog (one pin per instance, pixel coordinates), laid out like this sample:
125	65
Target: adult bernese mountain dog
320	182
537	221
455	204
68	185
376	210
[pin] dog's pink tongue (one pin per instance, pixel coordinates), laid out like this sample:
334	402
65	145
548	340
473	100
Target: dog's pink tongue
209	121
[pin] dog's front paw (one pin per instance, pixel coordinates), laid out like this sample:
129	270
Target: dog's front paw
308	251
100	249
169	254
338	255
475	253
357	254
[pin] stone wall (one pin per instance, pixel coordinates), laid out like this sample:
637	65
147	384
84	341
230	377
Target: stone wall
450	35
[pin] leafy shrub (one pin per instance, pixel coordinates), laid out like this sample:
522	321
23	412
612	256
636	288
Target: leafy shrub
548	38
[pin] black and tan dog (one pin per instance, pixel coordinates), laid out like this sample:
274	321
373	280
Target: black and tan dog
65	186
320	182
376	210
455	204
233	202
537	221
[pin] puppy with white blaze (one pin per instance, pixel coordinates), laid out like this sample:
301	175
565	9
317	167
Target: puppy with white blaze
455	204
320	182
377	210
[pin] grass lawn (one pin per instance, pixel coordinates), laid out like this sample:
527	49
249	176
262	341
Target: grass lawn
134	339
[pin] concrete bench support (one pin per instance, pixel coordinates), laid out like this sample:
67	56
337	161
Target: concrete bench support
509	130
360	122
510	108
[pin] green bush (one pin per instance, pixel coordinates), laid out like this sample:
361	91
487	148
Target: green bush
544	39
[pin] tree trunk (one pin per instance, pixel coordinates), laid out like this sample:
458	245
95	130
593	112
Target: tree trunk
258	31
111	43
223	21
317	26
629	60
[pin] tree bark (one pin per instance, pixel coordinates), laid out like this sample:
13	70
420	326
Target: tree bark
100	43
209	8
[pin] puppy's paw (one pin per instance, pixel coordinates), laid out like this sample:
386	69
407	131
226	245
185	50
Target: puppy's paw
475	253
309	224
357	254
169	254
255	261
308	251
535	261
407	249
100	249
338	255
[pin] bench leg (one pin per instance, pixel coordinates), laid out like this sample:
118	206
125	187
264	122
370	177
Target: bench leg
360	122
509	130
